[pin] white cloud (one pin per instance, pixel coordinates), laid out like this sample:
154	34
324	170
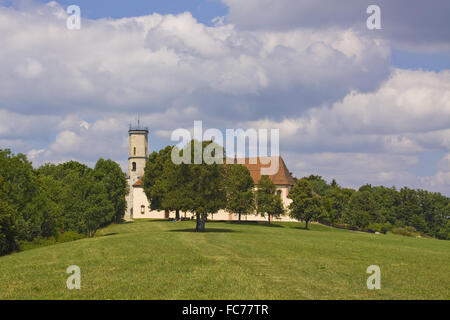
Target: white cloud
157	61
354	169
342	112
413	24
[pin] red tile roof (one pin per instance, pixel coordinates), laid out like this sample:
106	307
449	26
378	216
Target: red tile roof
254	165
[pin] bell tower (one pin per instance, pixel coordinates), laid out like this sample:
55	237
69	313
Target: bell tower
138	155
138	137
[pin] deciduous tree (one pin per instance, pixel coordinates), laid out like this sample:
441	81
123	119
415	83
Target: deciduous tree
305	205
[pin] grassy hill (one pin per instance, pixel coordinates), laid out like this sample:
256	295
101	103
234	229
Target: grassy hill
166	260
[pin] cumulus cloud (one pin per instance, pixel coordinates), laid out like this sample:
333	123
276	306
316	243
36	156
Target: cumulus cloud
376	137
351	168
413	24
150	63
410	112
342	111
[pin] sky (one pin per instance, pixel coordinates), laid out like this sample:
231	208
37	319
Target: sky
358	105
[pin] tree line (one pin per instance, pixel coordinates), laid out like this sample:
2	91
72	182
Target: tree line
380	208
204	189
54	199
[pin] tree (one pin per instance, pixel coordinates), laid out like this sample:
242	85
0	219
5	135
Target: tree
114	179
165	183
40	217
305	205
267	201
334	202
318	184
85	202
8	232
19	181
361	210
239	186
36	215
99	211
206	184
409	205
153	174
174	184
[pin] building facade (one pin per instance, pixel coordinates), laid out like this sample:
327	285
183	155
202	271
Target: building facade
138	206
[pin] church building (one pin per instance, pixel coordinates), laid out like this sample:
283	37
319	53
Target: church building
138	204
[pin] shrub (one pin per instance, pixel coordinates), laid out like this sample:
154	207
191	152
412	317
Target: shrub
408	231
43	242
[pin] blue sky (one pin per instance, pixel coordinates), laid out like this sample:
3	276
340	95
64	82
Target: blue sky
203	10
356	105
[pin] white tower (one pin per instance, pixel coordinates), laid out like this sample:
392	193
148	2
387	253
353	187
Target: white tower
138	138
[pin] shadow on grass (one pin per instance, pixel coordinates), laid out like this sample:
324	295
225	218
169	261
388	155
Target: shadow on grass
302	228
207	230
250	223
109	234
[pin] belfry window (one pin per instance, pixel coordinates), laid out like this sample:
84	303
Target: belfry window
133	166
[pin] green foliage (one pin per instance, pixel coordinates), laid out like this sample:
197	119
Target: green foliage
267	201
205	188
19	180
43	242
85	202
110	174
239	186
334	202
153	175
408	231
305	205
165	183
197	188
319	185
41	203
380	208
8	232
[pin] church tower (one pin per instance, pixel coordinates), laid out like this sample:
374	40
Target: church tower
138	140
138	137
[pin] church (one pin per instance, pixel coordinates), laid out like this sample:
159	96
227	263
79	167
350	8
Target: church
138	204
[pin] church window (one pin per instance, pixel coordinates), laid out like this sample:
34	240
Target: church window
133	166
142	209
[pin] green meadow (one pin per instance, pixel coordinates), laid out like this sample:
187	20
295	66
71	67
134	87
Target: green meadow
166	260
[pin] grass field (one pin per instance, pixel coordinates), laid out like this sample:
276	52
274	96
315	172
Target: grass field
166	260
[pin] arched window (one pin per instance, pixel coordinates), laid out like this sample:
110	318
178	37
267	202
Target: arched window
133	166
134	151
142	209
